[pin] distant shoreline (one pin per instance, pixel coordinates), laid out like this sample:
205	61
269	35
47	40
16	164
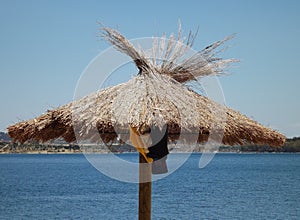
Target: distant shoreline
7	147
104	153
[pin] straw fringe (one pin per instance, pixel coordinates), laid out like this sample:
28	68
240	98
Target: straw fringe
116	108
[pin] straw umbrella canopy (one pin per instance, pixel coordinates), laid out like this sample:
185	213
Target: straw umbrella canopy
158	90
156	96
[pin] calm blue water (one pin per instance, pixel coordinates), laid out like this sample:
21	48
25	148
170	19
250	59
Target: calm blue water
232	186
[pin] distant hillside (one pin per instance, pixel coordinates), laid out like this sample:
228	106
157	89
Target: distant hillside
4	137
291	145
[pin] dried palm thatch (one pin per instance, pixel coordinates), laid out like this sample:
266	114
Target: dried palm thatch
158	91
169	56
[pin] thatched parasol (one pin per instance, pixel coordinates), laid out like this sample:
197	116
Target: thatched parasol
157	95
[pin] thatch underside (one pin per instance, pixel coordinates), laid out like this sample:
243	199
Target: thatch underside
57	124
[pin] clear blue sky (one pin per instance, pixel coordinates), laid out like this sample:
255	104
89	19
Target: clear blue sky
45	46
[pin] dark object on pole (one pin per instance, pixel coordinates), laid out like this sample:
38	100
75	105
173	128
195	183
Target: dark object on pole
160	166
159	150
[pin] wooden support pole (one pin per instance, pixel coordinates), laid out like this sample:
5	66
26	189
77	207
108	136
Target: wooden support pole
145	189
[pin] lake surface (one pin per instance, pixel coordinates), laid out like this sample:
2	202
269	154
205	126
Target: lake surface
232	186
